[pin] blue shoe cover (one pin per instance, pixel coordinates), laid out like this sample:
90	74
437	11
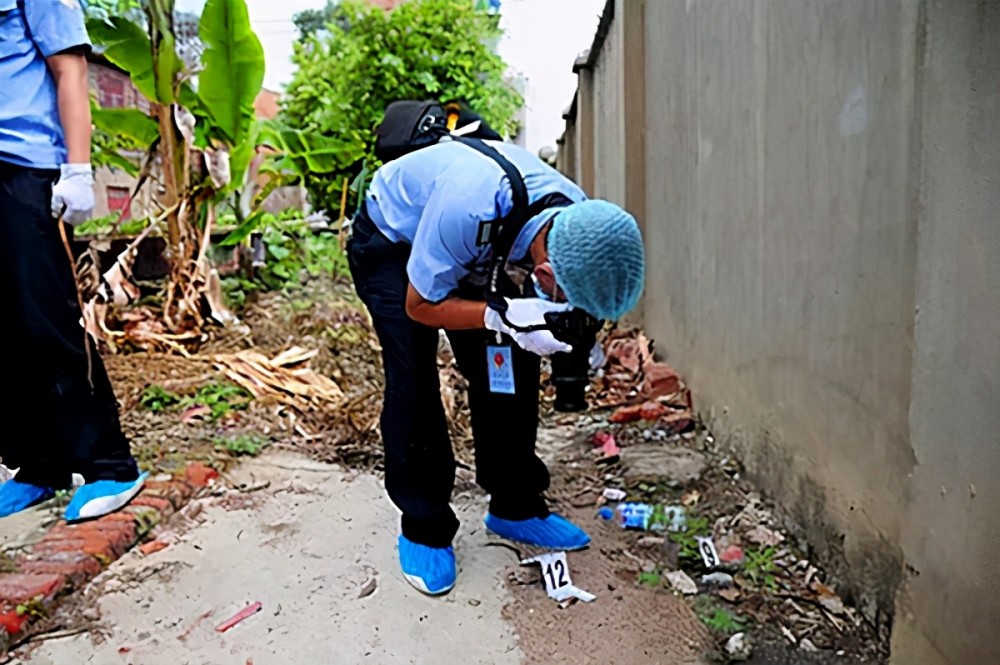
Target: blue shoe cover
552	532
102	497
15	496
430	570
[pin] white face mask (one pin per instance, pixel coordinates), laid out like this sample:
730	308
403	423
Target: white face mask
538	289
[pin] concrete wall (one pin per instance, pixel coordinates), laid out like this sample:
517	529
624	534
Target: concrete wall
949	605
820	190
609	114
781	250
566	155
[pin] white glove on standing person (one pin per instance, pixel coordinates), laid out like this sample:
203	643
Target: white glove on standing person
75	192
528	312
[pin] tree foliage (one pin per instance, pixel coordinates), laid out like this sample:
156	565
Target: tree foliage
423	49
103	9
312	21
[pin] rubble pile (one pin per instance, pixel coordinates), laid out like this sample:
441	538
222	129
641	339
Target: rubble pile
689	523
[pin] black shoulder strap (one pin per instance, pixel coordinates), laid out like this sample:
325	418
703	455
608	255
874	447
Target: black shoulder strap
501	233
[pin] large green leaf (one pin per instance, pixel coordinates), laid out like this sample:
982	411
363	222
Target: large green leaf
309	153
239	161
233	67
126	45
243	231
116	160
130	123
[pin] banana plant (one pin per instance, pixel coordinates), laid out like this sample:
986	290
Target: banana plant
289	156
201	129
203	135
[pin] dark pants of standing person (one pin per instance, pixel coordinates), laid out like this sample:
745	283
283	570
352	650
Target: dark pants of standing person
419	460
55	423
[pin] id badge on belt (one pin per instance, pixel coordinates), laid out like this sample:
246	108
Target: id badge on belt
500	369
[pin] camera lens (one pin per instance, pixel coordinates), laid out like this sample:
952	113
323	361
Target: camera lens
570	377
571	396
571	371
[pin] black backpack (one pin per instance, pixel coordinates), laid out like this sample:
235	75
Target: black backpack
410	125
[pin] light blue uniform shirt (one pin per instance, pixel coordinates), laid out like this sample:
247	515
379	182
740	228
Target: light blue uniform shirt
30	131
435	198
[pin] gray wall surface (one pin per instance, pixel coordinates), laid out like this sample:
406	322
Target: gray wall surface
781	249
949	607
821	208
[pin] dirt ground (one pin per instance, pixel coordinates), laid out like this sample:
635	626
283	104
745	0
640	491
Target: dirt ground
299	522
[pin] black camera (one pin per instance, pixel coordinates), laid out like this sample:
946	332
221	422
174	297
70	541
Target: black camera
571	371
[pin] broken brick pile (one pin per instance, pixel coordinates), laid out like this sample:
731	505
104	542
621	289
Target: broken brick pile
69	556
642	388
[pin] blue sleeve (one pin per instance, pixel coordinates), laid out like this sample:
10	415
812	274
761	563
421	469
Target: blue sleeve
444	247
56	25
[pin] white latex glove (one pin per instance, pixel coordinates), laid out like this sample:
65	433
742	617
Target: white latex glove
75	193
529	312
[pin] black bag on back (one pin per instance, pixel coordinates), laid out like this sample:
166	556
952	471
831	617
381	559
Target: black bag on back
409	125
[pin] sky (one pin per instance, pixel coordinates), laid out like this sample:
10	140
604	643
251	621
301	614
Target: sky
542	39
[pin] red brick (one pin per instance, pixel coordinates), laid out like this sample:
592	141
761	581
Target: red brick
94	544
119	539
77	568
152	547
652	411
160	486
80	560
102	548
199	475
45	548
661	380
112	529
117	517
62	530
161	506
174	491
627	414
71	555
17	588
677	421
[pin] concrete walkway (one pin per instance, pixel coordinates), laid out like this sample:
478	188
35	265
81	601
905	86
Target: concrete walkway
310	547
